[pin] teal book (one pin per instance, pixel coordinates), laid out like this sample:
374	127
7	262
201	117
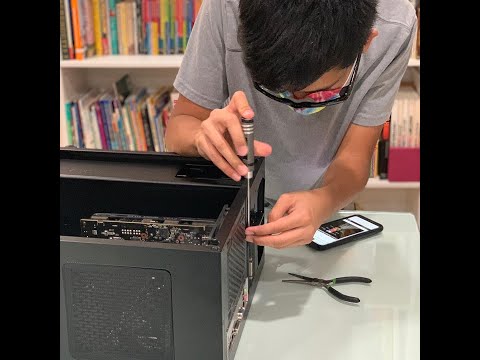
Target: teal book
69	120
112	5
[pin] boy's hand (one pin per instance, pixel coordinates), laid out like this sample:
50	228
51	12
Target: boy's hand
211	139
292	221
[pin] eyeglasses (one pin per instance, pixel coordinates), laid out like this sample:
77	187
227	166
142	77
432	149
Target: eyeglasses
333	96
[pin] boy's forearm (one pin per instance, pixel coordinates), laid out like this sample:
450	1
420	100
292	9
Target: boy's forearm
341	183
180	135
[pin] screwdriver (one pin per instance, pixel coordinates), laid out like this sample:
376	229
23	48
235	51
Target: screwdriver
248	160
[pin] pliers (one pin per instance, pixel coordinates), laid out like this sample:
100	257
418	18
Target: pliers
327	284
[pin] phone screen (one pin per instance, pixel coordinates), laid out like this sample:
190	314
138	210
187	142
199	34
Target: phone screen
341	229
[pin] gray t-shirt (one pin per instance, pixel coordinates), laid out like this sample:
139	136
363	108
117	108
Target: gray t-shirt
303	146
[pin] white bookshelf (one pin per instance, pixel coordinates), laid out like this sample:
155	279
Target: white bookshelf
126	61
376	183
414	62
77	76
143	61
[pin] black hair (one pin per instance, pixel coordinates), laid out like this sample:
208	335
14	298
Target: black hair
289	44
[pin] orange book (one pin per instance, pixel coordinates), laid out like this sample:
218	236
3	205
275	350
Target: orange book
197	5
141	132
77	35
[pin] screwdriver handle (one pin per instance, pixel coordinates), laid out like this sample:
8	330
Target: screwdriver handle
249	160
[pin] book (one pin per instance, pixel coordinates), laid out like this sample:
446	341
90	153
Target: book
69	123
120	122
97	27
105	102
86	27
155	104
63	32
112	11
78	131
68	25
88	126
143	113
101	125
77	32
383	146
104	27
127	27
95	128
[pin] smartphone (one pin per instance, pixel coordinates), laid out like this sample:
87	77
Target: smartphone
344	230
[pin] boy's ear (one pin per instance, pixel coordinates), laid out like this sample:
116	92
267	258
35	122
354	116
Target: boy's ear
372	35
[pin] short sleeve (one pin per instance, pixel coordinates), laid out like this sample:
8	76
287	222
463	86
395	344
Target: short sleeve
201	77
376	106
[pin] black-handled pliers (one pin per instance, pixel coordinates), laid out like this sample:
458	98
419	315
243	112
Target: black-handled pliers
327	284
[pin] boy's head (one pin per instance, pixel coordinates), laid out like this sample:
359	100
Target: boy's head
304	45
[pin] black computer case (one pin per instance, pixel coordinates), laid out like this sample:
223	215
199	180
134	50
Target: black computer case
136	300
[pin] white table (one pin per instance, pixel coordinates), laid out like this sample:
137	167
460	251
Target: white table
292	321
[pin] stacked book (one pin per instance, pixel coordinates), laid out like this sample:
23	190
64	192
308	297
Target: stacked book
120	118
125	27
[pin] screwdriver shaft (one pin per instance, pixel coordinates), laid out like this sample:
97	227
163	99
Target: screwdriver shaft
249	160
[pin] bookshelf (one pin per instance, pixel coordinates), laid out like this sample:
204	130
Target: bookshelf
386	195
142	61
77	76
376	183
125	61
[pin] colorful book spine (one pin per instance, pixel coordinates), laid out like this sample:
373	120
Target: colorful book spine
171	22
69	123
63	32
189	18
197	5
106	125
146	126
68	25
78	124
105	103
133	130
163	23
136	110
121	124
88	132
146	25
144	12
103	27
139	28
129	27
120	43
112	6
179	16
134	27
154	19
175	24
95	128
151	118
77	35
154	37
97	27
86	20
121	10
156	15
129	106
185	21
126	125
101	126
